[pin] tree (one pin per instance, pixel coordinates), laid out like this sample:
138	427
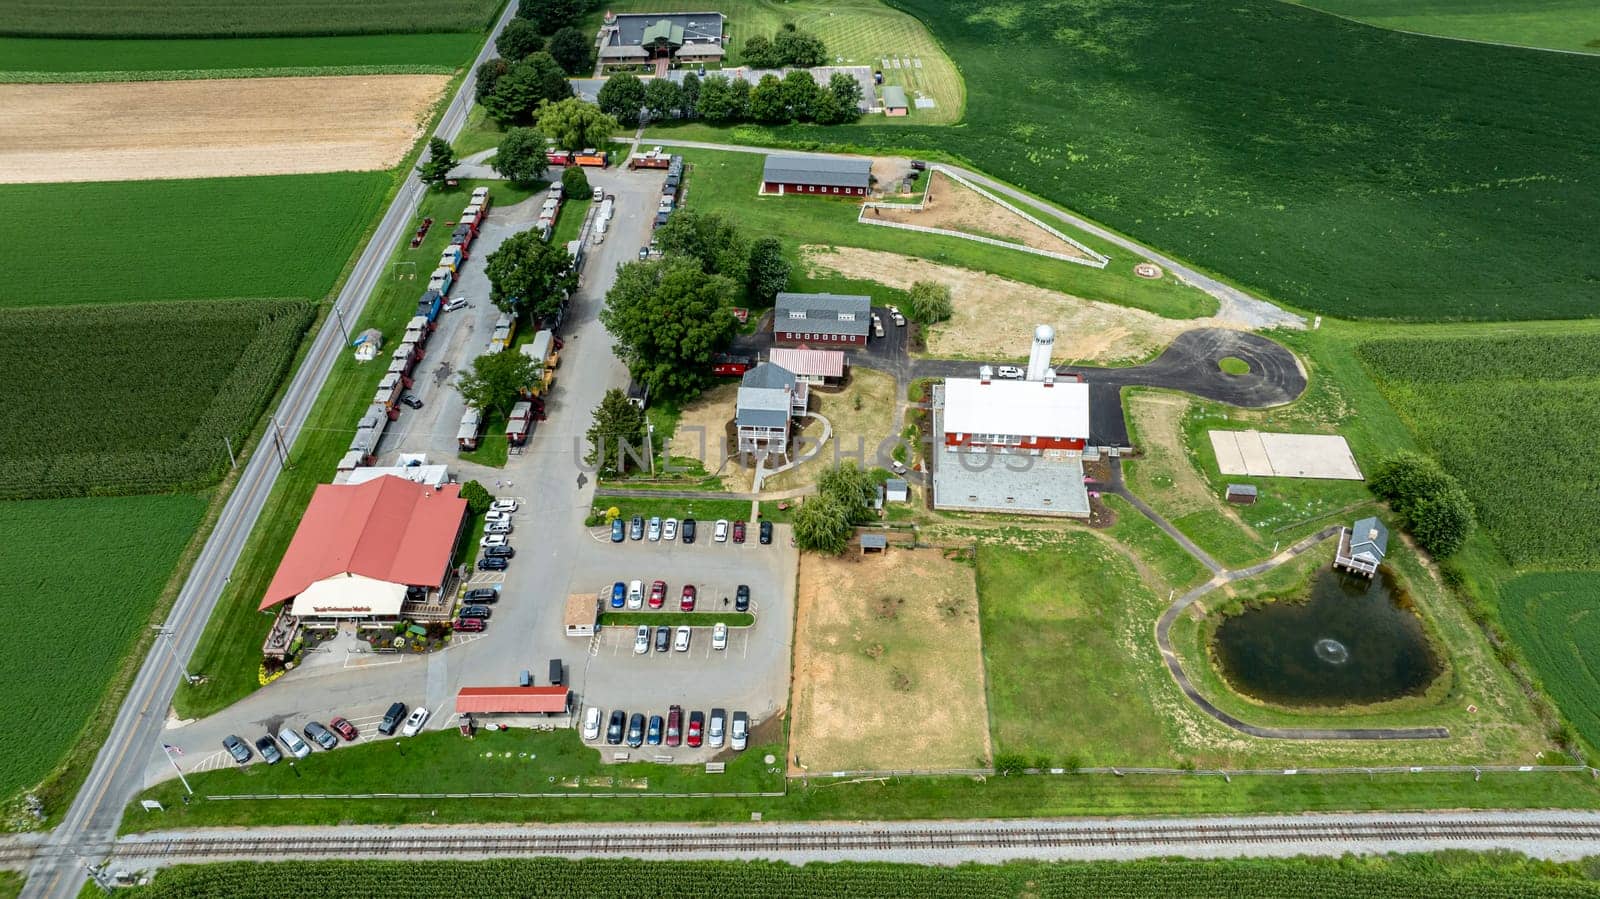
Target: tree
477	496
549	15
496	380
527	273
521	156
852	488
518	40
573	51
792	47
1430	502
739	99
822	525
800	93
575	184
769	271
669	318
576	125
929	302
825	109
661	97
758	52
490	71
441	159
845	103
621	97
714	242
715	103
618	425
689	92
1442	521
529	84
767	101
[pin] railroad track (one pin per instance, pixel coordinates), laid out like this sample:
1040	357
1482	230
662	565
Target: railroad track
745	841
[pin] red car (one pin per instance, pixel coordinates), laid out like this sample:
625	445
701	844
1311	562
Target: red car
674	725
687	603
343	728
697	727
738	532
469	625
658	594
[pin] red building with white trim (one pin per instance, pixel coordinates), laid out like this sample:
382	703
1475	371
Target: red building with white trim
1047	417
837	176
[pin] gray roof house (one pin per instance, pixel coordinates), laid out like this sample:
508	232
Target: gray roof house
1362	547
829	171
822	313
769	397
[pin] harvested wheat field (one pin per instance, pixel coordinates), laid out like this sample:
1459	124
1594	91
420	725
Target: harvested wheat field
950	205
888	666
1087	331
201	129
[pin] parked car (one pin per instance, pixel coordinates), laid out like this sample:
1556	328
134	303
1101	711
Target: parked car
669	530
719	636
739	734
720	534
697	729
239	749
614	728
1009	371
687	602
663	638
877	325
558	673
681	641
636	730
482	595
652	734
493	563
479	612
636	595
268	749
321	735
294	743
488	540
738	532
499	552
655	529
658	594
418	717
492	516
497	527
899	320
392	718
641	639
718	729
766	532
674	725
688	530
741	598
636	528
410	399
617	530
619	595
466	625
455	304
591	723
504	505
344	729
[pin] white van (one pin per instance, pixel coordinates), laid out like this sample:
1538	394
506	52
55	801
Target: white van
291	741
636	595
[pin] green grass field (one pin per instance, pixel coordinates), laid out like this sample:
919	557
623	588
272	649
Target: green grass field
1551	24
704	511
1553	618
1444	876
189	377
213	238
220	18
410	52
84	575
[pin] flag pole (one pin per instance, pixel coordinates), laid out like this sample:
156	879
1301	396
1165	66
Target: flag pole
168	750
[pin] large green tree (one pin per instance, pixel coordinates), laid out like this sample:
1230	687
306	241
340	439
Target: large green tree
1430	502
521	156
618	426
712	240
518	40
852	488
661	97
768	104
769	271
573	51
669	318
441	159
576	125
621	97
758	52
792	47
800	94
822	525
690	91
531	83
839	102
715	104
929	302
550	15
495	381
575	183
527	273
490	71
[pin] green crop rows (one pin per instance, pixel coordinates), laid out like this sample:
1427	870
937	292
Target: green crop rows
224	18
1555	618
82	576
138	398
1558	24
22	57
1420	877
199	239
1514	419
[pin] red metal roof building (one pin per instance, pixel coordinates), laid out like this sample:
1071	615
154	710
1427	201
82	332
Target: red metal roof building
359	547
511	700
813	366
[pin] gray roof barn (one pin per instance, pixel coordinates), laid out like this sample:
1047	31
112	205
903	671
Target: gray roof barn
830	171
1369	538
763	400
823	313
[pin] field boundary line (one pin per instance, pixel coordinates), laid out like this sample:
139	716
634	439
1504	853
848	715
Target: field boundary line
252	797
133	75
1225	773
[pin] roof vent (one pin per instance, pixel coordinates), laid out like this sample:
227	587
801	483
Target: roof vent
1373	535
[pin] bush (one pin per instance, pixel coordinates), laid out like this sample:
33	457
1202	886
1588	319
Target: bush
930	302
1429	501
575	184
477	496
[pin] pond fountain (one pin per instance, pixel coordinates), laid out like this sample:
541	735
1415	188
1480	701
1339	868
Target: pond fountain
1351	642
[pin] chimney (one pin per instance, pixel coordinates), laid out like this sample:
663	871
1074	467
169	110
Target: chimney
1044	339
985	373
1373	535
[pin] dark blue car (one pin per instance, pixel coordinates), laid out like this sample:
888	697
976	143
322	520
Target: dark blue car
619	594
617	533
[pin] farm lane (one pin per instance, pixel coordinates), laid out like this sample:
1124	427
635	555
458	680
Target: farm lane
91	822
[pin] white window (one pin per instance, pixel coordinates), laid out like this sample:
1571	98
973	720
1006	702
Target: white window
847	316
798	314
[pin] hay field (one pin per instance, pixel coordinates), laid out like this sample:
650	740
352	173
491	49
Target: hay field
213	128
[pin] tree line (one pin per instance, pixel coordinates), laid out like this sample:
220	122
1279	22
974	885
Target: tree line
796	97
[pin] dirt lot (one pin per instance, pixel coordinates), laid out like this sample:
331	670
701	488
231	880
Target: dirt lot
709	415
888	664
955	207
1087	331
198	129
862	415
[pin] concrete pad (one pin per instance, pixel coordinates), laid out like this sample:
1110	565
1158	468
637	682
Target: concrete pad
1311	456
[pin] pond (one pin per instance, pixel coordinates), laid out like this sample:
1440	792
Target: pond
1352	642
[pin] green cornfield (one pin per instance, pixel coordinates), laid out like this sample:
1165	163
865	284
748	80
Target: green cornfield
1555	619
28	58
1415	877
223	18
137	398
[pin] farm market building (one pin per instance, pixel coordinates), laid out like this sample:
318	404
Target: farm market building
822	318
639	37
832	175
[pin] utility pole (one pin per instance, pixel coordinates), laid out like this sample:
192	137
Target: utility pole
339	314
277	441
167	630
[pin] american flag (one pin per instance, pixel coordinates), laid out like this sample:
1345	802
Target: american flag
171	748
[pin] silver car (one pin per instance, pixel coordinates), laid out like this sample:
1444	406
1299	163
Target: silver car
655	529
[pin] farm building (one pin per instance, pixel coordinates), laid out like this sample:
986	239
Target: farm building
434	476
1241	494
832	175
512	700
895	490
808	365
769	398
582	615
822	318
894	101
639	37
361	549
1362	547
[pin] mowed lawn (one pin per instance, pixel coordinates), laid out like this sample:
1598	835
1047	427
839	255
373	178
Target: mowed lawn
212	238
408	52
1553	24
79	577
226	18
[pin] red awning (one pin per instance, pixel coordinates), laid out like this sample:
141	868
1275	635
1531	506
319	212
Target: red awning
510	700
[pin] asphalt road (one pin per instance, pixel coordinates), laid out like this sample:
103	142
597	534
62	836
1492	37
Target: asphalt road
117	774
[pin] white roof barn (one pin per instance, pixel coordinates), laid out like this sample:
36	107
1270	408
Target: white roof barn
1032	408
